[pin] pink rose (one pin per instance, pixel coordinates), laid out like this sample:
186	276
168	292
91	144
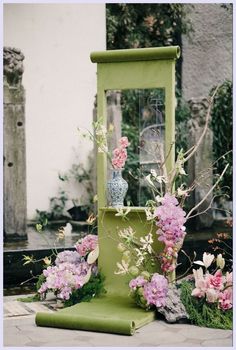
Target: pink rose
216	281
124	142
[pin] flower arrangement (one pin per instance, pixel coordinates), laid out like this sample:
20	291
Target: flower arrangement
120	154
216	287
74	276
72	269
166	211
208	296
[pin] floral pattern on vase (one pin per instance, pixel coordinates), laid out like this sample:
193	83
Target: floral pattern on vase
117	188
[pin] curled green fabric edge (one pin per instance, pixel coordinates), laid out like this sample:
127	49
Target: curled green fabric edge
142	54
82	322
108	314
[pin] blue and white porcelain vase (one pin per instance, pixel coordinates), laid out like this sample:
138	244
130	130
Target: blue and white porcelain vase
117	188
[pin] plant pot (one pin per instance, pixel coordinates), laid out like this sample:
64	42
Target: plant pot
117	188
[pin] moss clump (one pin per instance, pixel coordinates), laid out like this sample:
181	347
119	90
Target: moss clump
202	313
94	287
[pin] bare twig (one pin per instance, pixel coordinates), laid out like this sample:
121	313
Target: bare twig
209	192
211	99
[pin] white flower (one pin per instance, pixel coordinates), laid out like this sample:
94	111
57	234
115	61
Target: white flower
127	234
153	173
220	261
181	192
123	268
148	179
146	243
179	167
101	131
158	199
149	214
161	179
198	274
207	260
122	212
93	255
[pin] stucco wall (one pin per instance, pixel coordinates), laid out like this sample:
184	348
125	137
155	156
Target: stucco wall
60	84
207	57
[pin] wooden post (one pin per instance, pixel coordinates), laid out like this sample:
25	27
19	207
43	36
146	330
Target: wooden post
15	210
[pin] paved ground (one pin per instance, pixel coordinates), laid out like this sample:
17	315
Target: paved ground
20	330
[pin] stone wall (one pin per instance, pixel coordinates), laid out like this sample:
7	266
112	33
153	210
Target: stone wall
207	56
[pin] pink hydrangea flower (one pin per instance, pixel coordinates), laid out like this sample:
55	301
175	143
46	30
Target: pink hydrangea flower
137	282
171	230
87	244
170	220
155	292
63	279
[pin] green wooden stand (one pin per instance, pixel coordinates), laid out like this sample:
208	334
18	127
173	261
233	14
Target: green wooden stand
116	312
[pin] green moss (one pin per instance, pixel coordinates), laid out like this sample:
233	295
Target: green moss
94	287
202	313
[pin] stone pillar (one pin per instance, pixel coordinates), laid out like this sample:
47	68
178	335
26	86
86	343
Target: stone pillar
14	160
200	163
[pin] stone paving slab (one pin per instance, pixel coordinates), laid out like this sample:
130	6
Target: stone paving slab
21	331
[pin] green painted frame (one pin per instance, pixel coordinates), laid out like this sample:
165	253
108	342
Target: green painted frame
135	69
130	69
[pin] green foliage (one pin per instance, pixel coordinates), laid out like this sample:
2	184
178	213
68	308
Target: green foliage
147	25
35	297
95	287
222	126
40	281
202	313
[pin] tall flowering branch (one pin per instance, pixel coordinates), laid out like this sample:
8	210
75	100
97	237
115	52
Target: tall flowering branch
170	219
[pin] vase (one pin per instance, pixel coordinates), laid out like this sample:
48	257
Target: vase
117	188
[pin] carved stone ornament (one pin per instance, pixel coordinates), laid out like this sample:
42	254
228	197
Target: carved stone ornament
12	66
